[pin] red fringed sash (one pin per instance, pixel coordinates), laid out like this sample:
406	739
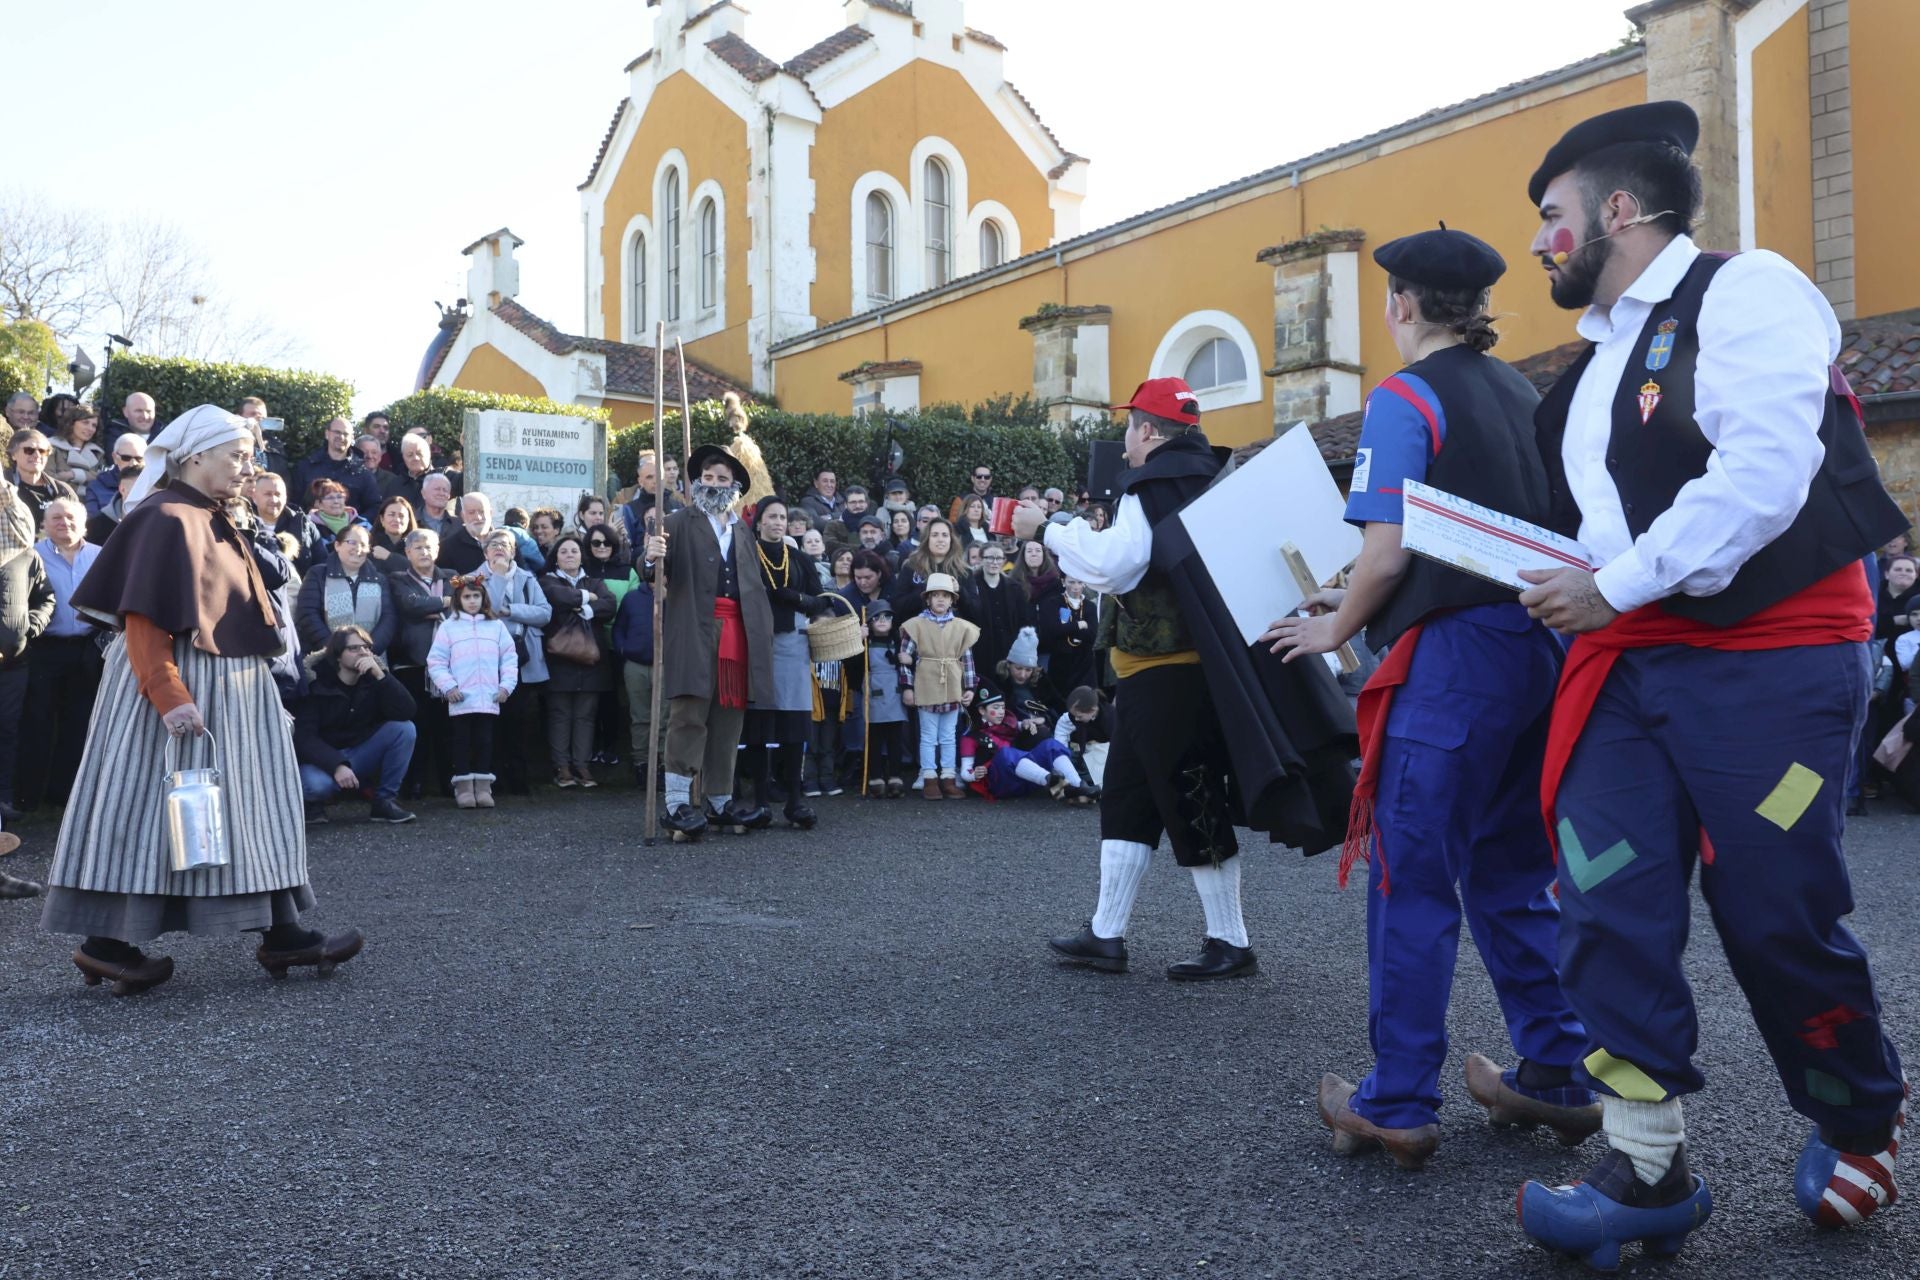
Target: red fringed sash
1834	610
732	687
1376	699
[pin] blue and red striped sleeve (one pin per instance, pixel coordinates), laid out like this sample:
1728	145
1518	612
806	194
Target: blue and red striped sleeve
1399	438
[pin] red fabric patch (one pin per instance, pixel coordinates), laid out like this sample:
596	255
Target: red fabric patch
1819	1033
1706	849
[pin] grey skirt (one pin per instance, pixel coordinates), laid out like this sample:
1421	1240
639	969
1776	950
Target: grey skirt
113	838
792	674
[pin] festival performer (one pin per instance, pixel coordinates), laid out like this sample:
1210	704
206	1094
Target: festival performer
1005	770
716	649
1241	738
1452	727
776	732
197	627
1714	465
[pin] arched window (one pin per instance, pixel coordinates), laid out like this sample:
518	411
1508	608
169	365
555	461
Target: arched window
709	256
939	224
637	286
993	245
1218	363
879	248
671	196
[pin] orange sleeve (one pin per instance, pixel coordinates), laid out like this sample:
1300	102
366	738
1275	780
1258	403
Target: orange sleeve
150	650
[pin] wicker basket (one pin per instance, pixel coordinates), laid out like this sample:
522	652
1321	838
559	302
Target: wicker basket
835	637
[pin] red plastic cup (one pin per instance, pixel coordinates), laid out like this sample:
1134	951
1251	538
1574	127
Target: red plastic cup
1001	526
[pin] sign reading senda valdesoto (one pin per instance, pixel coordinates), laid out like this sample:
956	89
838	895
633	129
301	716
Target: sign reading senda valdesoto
534	459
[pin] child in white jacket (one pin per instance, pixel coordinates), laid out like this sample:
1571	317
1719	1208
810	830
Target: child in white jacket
473	666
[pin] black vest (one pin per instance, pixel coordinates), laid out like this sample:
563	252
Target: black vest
729	588
1488	457
1147	620
1847	512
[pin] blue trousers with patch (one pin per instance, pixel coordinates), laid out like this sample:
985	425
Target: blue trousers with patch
1458	815
1751	749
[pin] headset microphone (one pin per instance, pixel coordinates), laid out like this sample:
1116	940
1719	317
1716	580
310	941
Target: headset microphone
1560	246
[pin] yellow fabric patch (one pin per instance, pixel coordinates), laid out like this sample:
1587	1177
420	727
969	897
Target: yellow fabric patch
1787	801
1625	1079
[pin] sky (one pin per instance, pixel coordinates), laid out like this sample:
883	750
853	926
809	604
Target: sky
333	159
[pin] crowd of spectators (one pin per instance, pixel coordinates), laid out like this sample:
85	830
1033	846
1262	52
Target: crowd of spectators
435	642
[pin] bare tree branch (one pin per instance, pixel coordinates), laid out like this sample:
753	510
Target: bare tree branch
50	260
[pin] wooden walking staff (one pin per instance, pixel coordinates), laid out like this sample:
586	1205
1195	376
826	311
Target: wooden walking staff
866	708
1303	578
659	574
686	416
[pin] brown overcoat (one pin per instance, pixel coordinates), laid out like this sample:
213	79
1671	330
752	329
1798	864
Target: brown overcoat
690	643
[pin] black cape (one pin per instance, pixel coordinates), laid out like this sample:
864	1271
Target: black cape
1289	729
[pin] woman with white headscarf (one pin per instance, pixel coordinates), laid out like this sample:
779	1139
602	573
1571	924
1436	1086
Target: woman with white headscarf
197	626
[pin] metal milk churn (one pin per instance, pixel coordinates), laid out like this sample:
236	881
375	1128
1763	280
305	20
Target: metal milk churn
196	831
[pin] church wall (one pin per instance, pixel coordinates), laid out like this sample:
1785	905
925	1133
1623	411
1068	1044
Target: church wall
876	130
487	368
1884	48
1783	145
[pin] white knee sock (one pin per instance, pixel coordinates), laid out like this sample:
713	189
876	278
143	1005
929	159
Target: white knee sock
679	790
1220	898
1063	765
1648	1132
1123	864
720	803
1030	771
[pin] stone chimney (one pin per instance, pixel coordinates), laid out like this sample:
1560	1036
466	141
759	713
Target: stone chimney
493	276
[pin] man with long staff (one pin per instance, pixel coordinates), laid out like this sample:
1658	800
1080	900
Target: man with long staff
659	586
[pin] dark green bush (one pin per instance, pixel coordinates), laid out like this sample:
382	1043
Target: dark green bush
306	401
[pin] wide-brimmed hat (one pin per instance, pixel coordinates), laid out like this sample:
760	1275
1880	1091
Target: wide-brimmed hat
709	453
942	582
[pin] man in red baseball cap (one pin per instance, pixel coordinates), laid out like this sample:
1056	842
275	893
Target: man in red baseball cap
1213	735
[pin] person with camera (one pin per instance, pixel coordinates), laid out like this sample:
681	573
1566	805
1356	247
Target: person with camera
353	730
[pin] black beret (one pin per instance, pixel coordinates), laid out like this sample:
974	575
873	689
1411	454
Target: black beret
1671	123
710	453
1442	259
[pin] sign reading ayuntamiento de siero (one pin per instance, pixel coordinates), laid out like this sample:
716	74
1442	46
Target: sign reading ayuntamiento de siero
534	459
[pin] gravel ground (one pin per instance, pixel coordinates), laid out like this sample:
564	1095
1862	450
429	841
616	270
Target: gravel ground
843	1053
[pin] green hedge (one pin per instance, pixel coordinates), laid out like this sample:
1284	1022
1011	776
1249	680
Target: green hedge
441	413
941	449
306	401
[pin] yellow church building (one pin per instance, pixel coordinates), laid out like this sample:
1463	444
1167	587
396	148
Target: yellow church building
884	220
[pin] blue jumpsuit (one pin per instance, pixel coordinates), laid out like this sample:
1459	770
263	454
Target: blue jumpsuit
1458	811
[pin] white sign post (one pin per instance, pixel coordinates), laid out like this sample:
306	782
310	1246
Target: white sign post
534	459
1283	497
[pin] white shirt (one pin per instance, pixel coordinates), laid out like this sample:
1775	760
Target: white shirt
1767	337
723	531
1110	560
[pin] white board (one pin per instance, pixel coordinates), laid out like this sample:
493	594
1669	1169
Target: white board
1283	494
1481	541
533	459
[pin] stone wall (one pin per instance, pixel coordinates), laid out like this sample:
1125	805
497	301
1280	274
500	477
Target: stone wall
1830	86
1070	361
1314	374
1897	446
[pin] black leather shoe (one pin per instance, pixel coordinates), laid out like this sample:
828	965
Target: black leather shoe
1216	960
15	887
1108	955
323	953
686	823
800	815
384	810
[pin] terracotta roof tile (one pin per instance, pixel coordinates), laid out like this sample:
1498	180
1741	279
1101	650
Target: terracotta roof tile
900	7
600	156
639	61
1881	354
1070	156
629	367
752	64
719	4
985	39
808	61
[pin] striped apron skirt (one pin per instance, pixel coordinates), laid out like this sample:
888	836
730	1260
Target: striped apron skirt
792	674
111	876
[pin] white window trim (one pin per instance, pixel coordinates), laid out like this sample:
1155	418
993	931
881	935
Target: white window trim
638	225
713	319
673	160
906	262
966	251
1009	230
1193	331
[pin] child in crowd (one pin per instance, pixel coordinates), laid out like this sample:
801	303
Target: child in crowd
937	677
1033	704
887	752
473	666
76	458
999	770
1087	729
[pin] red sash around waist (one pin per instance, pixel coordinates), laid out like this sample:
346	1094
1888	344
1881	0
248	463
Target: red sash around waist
1376	699
1834	610
731	689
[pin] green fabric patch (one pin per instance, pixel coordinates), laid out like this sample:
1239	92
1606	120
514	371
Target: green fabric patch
1626	1080
1789	799
1588	872
1828	1089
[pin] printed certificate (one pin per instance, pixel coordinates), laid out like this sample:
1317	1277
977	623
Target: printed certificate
1481	541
